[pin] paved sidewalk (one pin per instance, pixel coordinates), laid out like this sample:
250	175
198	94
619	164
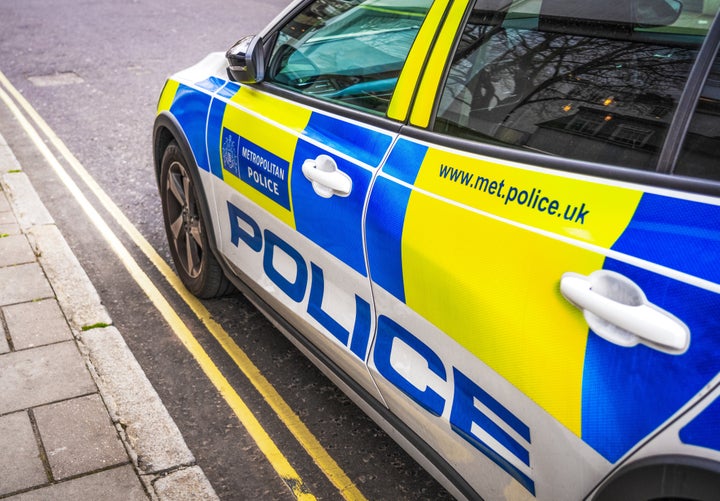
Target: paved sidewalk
78	418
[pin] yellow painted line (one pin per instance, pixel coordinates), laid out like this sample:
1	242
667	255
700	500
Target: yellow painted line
256	431
302	434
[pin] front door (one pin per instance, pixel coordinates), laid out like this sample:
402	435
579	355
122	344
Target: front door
297	155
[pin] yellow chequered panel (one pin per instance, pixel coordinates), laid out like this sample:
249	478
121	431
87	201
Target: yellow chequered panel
261	128
275	110
493	284
570	207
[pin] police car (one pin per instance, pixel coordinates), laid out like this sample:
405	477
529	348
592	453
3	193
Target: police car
496	223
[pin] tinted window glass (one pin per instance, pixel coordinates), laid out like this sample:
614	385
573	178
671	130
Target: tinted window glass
700	156
581	79
348	51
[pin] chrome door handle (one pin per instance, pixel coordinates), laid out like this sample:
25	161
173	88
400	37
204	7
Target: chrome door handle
327	180
616	309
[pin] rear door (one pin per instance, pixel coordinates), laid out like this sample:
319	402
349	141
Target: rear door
293	159
545	300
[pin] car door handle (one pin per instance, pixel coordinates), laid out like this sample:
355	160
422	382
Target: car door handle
616	309
327	180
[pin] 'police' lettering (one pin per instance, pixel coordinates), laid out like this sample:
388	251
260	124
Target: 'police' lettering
243	228
295	289
465	414
361	329
465	417
317	288
237	232
387	332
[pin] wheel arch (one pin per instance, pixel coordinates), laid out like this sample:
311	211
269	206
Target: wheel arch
166	130
671	476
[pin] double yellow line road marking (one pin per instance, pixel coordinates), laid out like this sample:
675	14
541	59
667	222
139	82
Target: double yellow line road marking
35	127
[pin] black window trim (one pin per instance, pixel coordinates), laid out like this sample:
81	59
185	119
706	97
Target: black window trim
613	173
675	137
438	29
448	63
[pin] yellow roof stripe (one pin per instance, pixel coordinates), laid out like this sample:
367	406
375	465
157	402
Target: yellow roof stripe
423	107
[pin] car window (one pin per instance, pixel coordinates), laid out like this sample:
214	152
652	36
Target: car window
347	51
580	79
701	150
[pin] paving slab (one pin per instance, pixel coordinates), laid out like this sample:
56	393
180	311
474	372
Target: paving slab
15	249
36	323
42	375
149	429
27	206
76	295
20	463
4	346
8	226
4	204
189	484
58	441
117	484
8	162
23	283
79	437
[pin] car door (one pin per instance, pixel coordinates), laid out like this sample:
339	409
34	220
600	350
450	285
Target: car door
545	300
294	157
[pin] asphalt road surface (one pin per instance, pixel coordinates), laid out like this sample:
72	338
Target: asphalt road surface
93	70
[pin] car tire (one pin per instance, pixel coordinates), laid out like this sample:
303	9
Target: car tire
186	228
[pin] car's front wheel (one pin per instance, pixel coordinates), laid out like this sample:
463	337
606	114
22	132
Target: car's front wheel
185	226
